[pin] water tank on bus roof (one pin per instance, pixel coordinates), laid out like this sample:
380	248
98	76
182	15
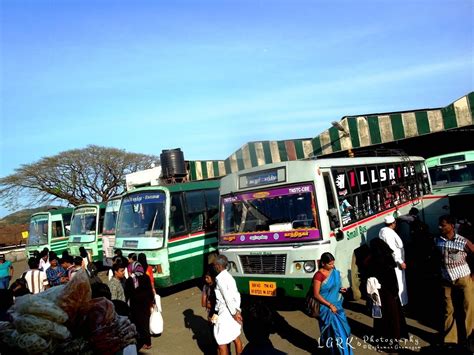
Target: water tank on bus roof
172	163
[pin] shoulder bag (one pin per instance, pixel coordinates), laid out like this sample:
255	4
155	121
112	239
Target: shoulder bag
311	304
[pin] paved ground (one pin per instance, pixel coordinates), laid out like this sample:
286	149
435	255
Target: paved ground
186	330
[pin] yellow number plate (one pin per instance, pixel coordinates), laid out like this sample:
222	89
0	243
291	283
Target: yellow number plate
262	288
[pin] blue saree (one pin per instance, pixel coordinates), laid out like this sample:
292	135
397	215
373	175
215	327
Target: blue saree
335	331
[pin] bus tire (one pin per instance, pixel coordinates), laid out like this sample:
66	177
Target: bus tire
355	279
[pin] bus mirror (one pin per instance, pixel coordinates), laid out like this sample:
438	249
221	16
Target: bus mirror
339	235
333	218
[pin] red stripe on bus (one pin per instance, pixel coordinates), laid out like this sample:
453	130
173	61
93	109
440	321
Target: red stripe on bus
198	234
433	197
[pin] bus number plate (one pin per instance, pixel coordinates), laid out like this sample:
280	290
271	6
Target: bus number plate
130	243
262	288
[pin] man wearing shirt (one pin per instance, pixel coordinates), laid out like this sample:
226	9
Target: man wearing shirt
35	278
456	275
115	283
6	272
389	236
44	260
229	322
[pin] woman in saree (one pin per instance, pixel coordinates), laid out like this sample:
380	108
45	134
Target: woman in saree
334	329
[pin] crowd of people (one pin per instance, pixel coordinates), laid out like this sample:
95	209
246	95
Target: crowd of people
131	287
130	284
387	289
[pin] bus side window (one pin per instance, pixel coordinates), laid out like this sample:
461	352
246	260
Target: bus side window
101	219
332	209
177	223
212	208
57	229
195	207
67	223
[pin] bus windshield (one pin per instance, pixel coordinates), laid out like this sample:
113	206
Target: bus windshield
142	215
110	218
453	174
272	210
84	221
38	231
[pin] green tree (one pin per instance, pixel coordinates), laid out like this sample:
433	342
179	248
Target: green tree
88	175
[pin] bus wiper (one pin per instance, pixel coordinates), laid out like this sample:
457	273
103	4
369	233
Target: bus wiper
155	220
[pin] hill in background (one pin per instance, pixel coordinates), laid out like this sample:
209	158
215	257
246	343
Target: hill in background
23	216
14	224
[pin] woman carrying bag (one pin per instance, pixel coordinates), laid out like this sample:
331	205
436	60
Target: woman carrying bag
139	294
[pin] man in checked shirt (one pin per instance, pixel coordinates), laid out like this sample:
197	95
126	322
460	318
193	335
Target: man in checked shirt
456	275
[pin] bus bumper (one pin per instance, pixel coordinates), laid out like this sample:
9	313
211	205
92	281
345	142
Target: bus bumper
288	287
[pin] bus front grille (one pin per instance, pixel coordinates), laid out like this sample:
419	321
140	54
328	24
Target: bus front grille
264	264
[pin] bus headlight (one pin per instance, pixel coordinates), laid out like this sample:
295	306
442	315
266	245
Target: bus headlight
157	269
309	266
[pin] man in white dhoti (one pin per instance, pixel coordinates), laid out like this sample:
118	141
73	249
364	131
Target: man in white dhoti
389	236
229	322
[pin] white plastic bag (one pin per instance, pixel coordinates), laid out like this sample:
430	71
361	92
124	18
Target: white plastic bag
158	302
156	319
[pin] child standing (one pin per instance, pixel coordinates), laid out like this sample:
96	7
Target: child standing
208	296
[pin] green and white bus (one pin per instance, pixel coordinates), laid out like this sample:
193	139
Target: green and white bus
452	176
86	228
276	220
174	225
49	230
108	231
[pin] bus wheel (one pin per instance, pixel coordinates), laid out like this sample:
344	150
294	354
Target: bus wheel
355	279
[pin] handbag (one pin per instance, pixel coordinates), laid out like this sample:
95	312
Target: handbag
311	305
375	307
376	311
156	319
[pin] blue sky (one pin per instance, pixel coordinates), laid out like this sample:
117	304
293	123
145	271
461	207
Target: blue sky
209	76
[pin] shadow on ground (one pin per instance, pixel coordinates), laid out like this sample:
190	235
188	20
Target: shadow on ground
202	332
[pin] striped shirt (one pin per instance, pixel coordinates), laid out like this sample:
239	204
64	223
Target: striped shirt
36	280
453	257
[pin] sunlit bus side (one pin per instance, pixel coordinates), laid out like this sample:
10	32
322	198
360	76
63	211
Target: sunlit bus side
278	219
174	225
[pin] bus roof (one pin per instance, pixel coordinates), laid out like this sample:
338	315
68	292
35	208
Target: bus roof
100	205
116	197
184	186
335	162
450	158
52	212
